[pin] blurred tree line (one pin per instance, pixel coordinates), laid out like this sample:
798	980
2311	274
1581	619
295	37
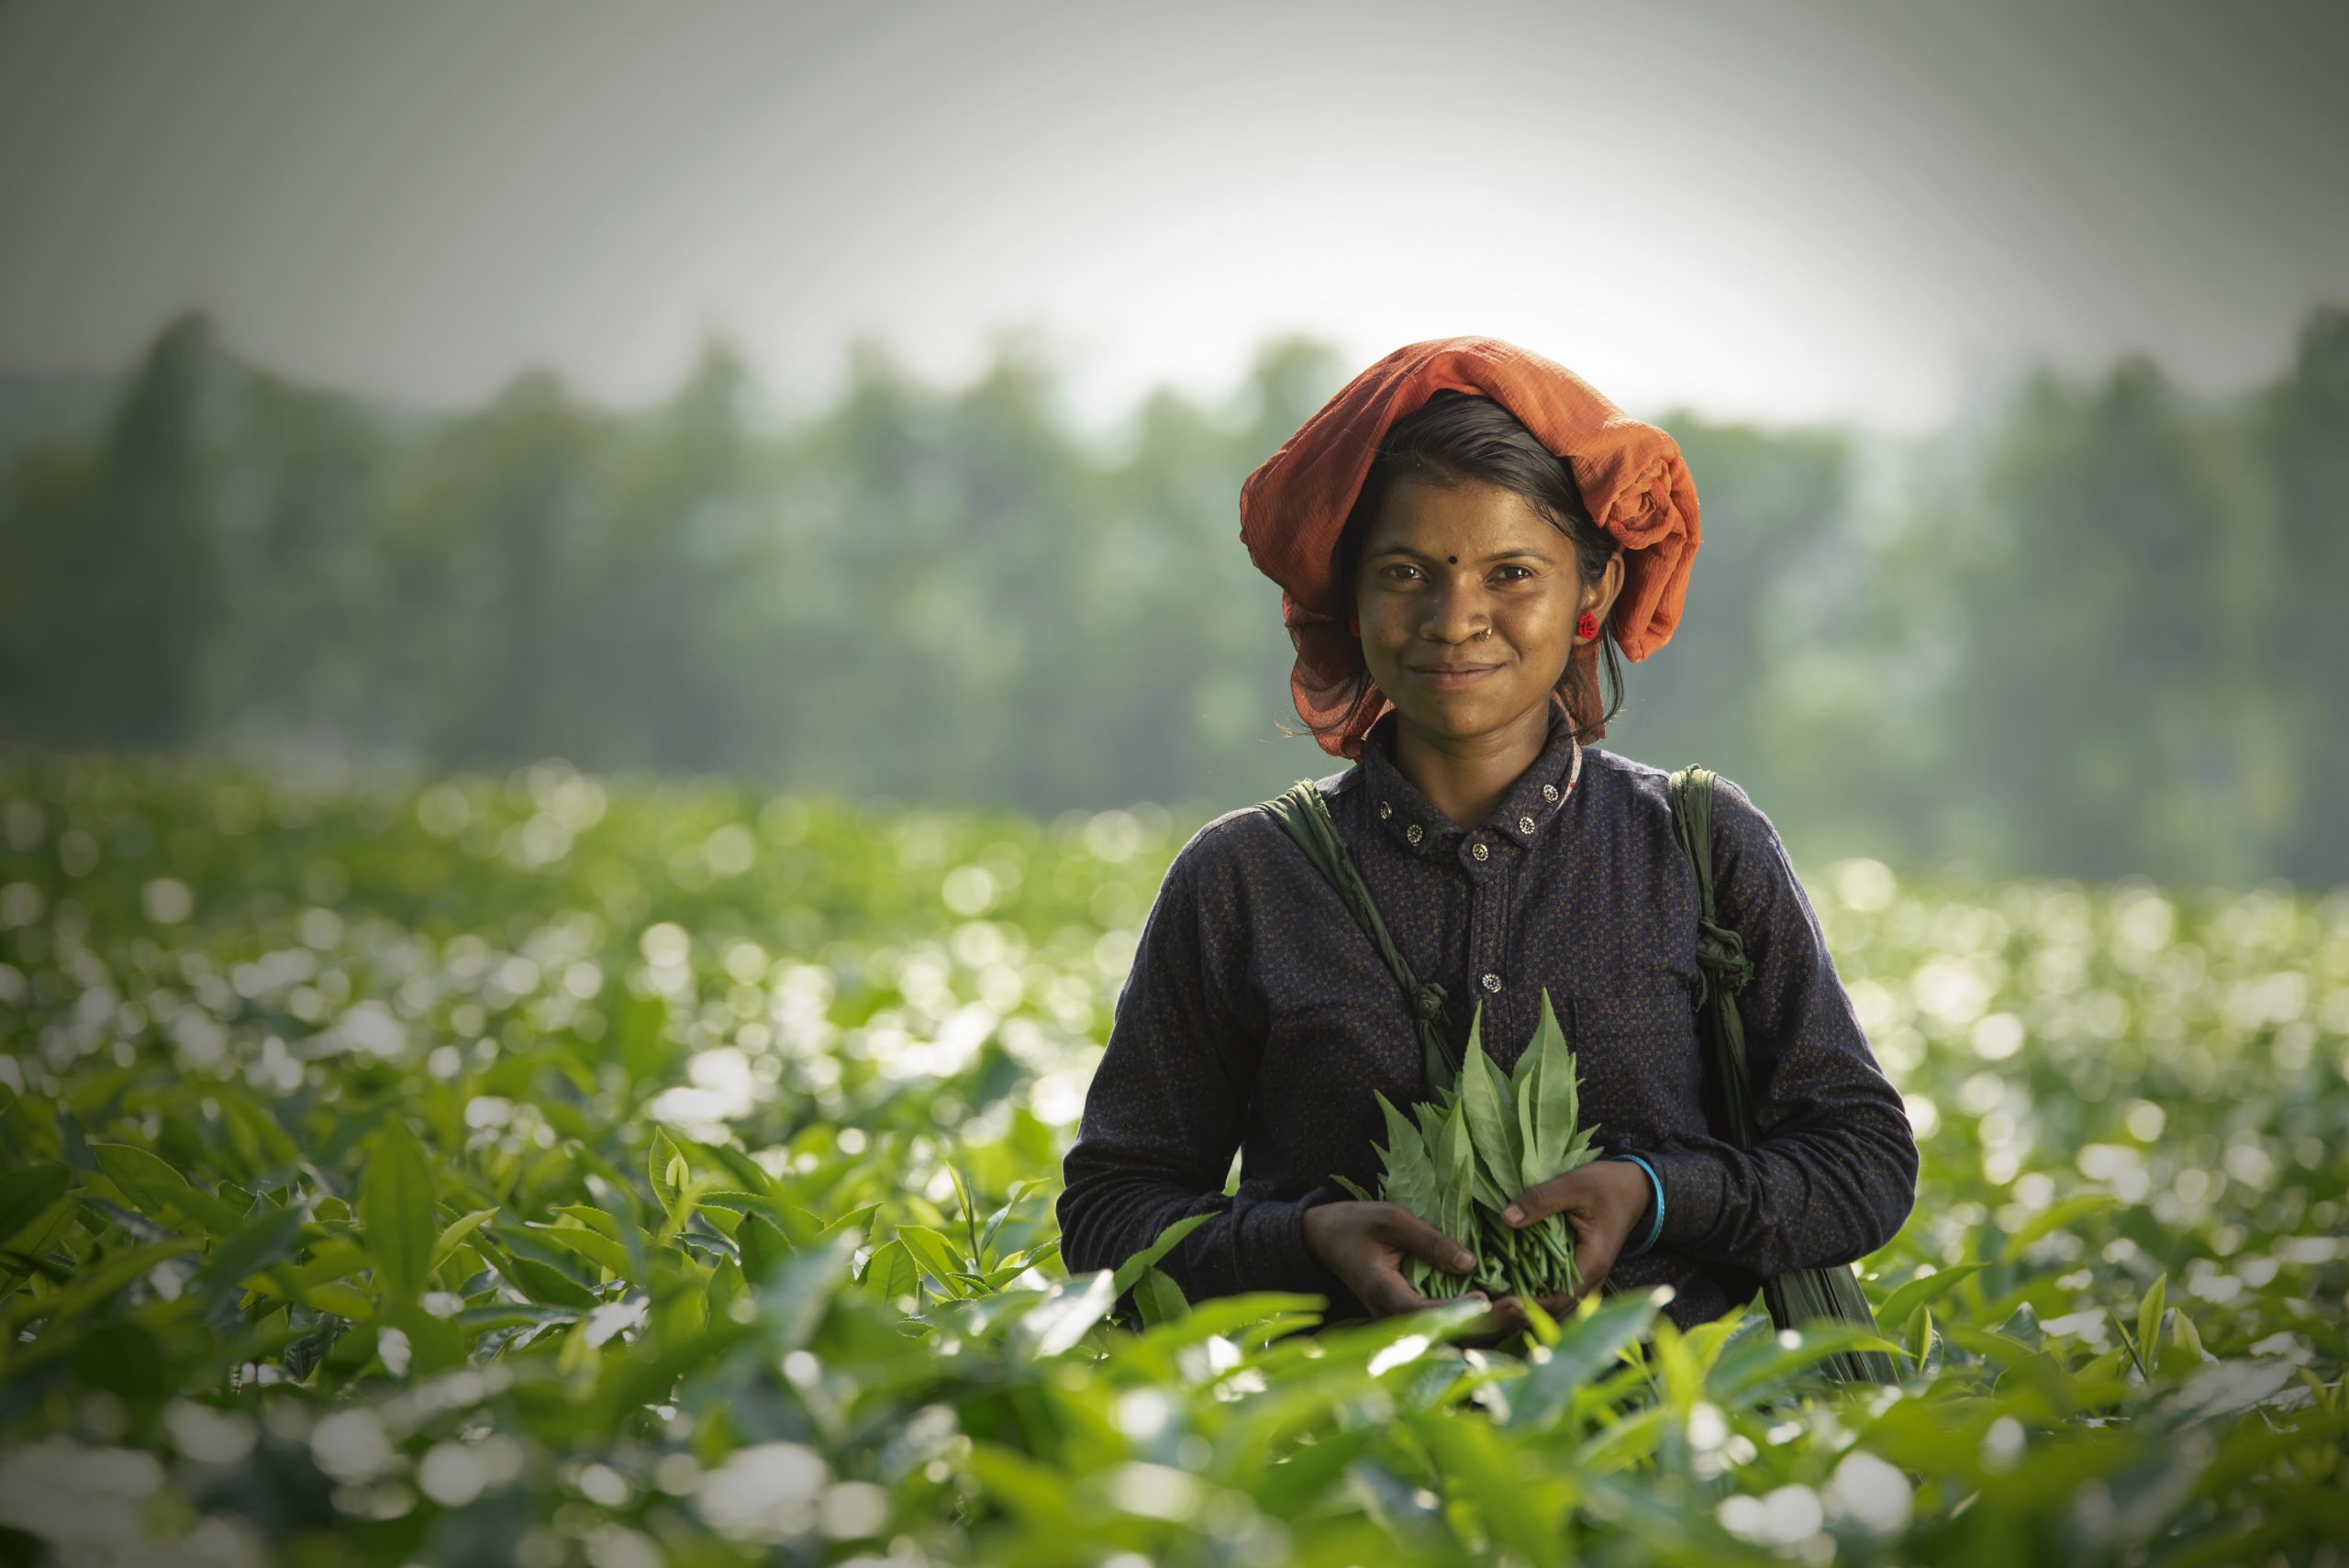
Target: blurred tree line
2092	634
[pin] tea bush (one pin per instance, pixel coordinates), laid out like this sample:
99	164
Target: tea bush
541	1170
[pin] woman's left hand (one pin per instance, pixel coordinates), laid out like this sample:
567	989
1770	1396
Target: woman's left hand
1601	1200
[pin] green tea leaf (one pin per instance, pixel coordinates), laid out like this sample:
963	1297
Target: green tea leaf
589	1243
1749	1372
1456	1174
665	1169
1159	1298
453	1235
806	1231
933	1251
2022	1326
727	1287
27	1193
891	1271
1586	1344
395	1211
732	1201
253	1246
764	1245
1921	1333
1492	1123
2149	1317
1557	1098
1130	1270
1068	1310
1896	1307
996	1221
534	1276
1990	1346
1410	1178
969	1210
158	1191
2181	1352
27	1253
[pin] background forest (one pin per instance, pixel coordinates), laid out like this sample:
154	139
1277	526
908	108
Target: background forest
2091	632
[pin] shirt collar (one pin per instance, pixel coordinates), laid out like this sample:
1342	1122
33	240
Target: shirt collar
1412	820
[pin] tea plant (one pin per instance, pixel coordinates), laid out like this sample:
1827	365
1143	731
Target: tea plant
546	1170
1474	1149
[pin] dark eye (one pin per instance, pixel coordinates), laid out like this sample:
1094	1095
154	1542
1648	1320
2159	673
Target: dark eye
1527	570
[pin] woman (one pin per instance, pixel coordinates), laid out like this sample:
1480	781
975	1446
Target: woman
1459	534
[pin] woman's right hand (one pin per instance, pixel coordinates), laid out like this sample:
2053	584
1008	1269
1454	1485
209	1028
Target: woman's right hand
1365	1245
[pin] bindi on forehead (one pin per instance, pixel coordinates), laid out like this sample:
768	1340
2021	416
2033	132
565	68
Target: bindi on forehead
1454	559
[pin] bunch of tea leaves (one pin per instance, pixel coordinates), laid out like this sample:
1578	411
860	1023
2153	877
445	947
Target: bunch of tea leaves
1463	1156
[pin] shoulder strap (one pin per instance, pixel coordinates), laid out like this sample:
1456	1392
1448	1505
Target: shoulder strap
1301	811
1722	967
1798	1296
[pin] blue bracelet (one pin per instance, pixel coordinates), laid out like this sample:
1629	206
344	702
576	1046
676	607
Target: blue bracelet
1656	1182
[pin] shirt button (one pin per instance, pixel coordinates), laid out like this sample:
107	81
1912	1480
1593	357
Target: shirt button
1385	810
1525	824
1480	851
1412	833
1549	791
1492	981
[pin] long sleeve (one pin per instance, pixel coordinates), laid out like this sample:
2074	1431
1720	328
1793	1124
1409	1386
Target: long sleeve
1832	1173
1168	1104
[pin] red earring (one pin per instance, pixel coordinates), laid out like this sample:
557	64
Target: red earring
1353	626
1587	628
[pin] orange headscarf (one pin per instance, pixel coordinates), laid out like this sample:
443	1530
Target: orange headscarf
1294	506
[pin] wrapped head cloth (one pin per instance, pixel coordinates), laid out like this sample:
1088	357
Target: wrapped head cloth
1293	508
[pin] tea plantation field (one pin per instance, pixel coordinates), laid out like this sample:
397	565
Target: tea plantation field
542	1170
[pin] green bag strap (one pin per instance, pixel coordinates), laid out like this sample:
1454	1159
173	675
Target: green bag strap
1301	811
1799	1295
1722	968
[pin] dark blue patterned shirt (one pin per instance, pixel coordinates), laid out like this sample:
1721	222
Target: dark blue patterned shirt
1259	1019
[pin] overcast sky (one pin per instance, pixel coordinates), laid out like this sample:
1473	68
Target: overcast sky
1768	209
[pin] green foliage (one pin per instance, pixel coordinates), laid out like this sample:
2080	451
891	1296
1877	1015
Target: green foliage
548	1168
396	1212
1474	1148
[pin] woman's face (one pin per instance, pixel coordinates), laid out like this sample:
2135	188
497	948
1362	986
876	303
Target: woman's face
1441	564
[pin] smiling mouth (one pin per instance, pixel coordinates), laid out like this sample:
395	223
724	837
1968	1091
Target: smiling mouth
1452	674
